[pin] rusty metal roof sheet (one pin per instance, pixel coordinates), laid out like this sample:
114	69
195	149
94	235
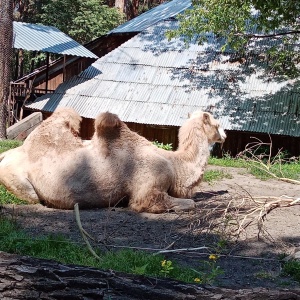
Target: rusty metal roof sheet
36	37
149	80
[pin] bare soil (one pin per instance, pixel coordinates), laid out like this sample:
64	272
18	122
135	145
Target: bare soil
249	259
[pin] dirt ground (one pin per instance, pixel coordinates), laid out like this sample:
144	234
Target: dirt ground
249	259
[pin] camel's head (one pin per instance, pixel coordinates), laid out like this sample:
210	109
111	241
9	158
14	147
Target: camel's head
211	126
69	117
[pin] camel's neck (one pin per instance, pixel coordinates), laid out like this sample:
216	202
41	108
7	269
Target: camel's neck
189	161
193	153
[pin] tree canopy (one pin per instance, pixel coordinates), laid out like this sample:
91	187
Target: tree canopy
83	20
240	22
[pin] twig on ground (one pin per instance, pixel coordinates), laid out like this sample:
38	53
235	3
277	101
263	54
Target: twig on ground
83	232
180	250
263	208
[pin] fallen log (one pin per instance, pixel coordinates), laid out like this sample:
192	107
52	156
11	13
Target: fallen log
23	277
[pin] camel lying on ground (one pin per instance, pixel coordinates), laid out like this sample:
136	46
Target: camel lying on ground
56	168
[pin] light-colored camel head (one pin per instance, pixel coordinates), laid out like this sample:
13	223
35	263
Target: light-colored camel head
214	132
68	117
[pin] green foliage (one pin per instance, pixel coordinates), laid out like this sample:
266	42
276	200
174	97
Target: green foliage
168	147
285	170
82	20
228	161
281	168
232	19
15	240
292	268
9	144
208	270
8	198
166	267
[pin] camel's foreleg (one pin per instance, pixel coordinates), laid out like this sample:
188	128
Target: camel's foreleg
160	202
179	204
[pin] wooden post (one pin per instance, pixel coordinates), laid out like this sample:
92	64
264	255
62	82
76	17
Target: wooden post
47	71
64	70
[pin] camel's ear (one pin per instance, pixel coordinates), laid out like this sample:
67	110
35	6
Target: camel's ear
206	118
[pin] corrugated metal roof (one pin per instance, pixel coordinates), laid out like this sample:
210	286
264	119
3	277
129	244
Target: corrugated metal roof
42	38
151	81
164	11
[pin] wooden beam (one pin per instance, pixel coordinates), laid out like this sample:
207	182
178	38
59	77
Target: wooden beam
21	130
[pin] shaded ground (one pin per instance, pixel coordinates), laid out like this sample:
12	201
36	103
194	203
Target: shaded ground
249	260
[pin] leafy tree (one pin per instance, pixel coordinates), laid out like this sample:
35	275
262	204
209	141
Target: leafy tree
241	22
83	20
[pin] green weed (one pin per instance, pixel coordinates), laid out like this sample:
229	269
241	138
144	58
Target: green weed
228	161
168	147
208	270
59	248
8	198
213	175
166	267
292	268
9	144
288	169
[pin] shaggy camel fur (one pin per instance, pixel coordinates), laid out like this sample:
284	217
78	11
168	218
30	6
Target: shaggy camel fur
56	168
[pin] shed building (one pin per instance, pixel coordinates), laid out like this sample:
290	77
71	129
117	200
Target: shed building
153	84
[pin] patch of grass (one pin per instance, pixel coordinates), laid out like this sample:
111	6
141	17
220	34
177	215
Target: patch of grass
289	169
213	175
292	268
228	161
8	198
9	144
15	240
264	275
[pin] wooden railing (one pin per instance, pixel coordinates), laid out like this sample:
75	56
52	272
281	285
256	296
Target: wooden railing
21	90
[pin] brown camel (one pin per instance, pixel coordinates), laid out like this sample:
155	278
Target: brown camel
56	168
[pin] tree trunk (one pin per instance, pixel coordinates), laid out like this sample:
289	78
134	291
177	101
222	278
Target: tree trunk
6	43
30	278
129	7
120	4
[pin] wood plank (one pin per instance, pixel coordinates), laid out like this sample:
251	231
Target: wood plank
21	130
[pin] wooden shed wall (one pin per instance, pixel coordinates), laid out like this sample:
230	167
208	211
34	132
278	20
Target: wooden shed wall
152	133
235	143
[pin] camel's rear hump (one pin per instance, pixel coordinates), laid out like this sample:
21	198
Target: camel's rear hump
107	123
